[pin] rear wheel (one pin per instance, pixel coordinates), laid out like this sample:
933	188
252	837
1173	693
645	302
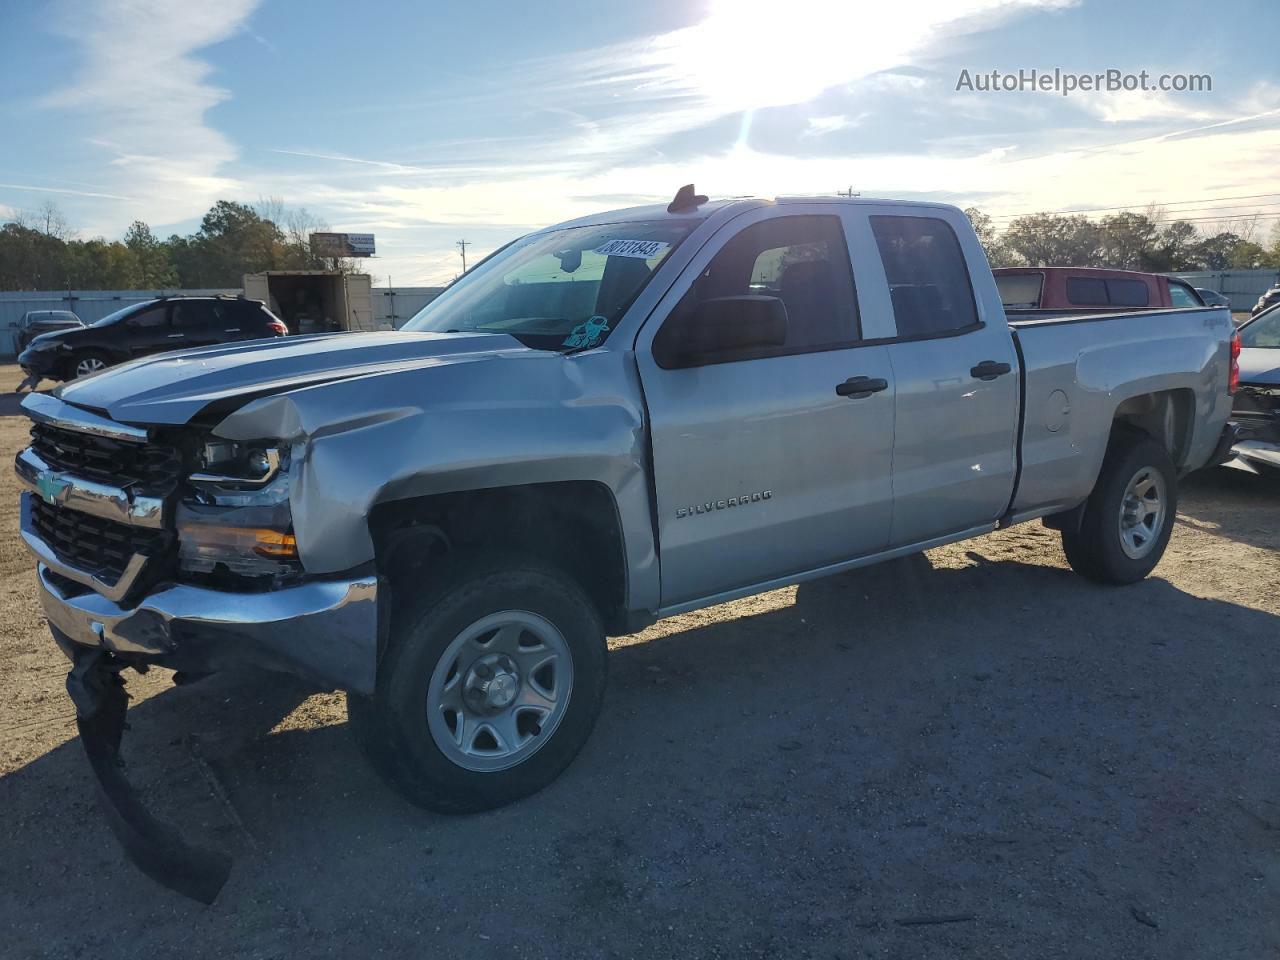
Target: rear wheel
1129	516
488	688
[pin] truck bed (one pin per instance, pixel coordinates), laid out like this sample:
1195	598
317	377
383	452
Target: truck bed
1078	368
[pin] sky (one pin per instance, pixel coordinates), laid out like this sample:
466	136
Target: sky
429	123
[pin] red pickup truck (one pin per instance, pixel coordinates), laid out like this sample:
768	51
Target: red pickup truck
1080	289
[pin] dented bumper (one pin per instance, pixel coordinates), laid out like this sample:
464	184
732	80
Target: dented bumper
325	631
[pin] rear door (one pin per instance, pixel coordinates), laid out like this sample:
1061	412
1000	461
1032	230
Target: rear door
761	468
359	297
956	421
200	323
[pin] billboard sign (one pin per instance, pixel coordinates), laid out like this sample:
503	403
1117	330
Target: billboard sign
342	244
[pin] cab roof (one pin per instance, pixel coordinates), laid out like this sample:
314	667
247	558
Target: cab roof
705	211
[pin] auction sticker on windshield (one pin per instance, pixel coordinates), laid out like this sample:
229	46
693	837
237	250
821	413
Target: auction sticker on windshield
640	249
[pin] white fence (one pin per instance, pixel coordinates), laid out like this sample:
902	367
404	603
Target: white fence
394	305
1242	287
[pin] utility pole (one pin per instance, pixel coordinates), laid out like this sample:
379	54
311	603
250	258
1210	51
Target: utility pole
848	193
462	245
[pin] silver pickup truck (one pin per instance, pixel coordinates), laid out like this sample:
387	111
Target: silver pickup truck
606	422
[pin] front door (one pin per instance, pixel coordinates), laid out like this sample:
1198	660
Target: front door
766	462
148	331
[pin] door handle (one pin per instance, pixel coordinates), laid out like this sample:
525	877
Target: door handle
858	388
231	330
989	370
175	336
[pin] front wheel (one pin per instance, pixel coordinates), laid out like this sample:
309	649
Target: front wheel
488	688
1129	516
86	363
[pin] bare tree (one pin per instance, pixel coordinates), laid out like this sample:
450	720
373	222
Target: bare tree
50	221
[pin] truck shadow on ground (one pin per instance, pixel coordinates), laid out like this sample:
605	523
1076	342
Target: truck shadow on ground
902	739
1233	504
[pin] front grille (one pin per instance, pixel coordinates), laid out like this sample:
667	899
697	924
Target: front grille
100	547
153	467
1257	399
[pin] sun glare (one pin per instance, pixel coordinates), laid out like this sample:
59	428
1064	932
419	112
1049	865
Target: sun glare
751	54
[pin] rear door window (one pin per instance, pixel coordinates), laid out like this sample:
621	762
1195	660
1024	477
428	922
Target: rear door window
927	274
197	314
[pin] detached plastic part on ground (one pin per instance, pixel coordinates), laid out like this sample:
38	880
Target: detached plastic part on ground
155	847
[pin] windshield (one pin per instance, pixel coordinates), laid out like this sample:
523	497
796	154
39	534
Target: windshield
119	314
562	290
1263	331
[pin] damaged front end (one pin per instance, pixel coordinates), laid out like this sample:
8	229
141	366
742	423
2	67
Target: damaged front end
173	548
1256	413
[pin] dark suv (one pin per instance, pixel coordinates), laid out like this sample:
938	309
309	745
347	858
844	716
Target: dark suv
144	328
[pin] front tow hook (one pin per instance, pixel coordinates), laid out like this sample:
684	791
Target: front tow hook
155	847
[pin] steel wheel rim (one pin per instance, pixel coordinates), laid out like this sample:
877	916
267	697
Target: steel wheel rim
1142	513
499	691
89	365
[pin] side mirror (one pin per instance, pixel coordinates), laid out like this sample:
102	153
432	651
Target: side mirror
723	325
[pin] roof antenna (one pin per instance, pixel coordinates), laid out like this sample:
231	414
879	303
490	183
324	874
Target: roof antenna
686	200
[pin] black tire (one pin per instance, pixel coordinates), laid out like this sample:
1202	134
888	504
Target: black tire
1096	550
73	365
391	726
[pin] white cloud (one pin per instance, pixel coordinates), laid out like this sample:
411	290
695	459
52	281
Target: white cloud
31	188
821	126
1134	106
145	95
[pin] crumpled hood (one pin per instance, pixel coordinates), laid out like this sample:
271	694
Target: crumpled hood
1260	365
171	388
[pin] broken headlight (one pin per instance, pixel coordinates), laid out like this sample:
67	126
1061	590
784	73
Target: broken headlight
235	519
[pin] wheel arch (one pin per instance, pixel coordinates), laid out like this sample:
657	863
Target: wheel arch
574	524
1166	416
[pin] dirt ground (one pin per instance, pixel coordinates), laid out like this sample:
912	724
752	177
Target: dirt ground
969	753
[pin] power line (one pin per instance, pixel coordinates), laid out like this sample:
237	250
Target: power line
1168	203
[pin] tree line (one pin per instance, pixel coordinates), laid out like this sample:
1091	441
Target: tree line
1147	241
38	251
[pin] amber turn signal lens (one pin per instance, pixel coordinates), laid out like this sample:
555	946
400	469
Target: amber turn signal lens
273	543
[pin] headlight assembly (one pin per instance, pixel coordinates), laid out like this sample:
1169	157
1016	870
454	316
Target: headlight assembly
236	518
46	346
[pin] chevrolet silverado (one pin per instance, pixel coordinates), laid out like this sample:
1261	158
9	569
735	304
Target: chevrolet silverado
607	422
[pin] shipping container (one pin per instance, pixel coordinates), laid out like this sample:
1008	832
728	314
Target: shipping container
316	301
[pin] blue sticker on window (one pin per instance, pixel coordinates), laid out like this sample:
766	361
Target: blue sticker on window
587	334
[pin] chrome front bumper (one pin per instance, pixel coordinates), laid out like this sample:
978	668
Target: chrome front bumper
325	630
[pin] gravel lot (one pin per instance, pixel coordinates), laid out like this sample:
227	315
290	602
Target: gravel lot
971	752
